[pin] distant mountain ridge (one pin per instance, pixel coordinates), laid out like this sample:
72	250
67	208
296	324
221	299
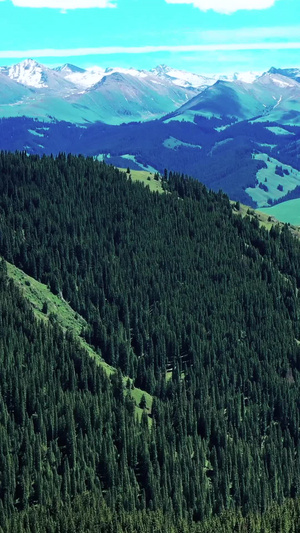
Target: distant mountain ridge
120	95
79	95
271	96
76	95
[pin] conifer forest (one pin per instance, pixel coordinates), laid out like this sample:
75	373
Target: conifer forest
180	297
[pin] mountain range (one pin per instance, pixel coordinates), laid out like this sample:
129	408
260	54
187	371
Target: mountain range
111	95
232	132
275	95
119	95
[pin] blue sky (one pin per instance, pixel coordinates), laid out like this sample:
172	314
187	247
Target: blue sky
186	34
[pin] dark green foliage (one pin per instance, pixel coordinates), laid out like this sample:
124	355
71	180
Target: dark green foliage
143	403
86	515
220	165
198	306
263	186
279	171
62	424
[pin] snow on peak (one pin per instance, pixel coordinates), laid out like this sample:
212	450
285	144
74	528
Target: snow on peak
69	68
293	73
161	69
83	79
30	73
182	78
245	76
279	80
282	81
131	71
69	78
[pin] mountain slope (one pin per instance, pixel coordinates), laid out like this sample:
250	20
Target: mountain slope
55	406
119	95
272	97
83	96
224	99
122	98
293	73
165	282
183	78
12	92
48	306
33	74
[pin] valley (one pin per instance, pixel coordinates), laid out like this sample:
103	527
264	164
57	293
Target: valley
229	133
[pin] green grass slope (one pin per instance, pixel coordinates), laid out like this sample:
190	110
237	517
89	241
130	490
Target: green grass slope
271	216
270	185
39	295
288	212
147	178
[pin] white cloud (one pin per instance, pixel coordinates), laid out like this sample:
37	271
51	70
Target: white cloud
64	4
226	6
73	52
249	34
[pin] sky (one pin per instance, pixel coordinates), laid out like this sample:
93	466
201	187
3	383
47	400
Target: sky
202	36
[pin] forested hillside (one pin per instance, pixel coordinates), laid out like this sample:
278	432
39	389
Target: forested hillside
198	306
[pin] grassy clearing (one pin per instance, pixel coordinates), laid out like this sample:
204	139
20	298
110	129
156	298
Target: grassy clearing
172	143
37	294
265	219
271	186
147	178
279	131
288	212
245	210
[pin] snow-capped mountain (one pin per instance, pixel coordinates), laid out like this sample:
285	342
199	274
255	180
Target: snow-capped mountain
86	78
293	73
33	74
131	71
29	73
275	82
246	77
73	94
68	69
118	95
183	78
270	97
200	81
81	78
